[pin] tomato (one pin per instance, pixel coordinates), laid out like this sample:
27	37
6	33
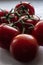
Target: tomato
19	26
35	19
6	35
2	15
38	32
11	17
25	6
4	12
27	22
30	23
4	20
24	47
14	18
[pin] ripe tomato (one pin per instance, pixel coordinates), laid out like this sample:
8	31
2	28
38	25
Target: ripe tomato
14	18
27	6
38	32
33	21
2	15
3	20
24	47
6	35
28	23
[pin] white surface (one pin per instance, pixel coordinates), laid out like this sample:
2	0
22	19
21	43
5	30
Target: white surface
5	57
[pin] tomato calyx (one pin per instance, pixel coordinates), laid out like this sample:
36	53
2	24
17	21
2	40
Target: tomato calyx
21	9
22	6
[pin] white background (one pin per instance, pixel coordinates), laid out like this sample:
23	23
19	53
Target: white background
38	5
5	57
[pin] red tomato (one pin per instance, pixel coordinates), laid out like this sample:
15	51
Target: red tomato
6	35
2	14
4	20
32	21
28	22
19	25
14	18
38	32
27	6
23	47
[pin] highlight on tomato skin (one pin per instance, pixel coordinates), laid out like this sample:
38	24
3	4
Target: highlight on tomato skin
6	35
24	47
38	32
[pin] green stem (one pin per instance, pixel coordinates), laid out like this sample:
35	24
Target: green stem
17	14
23	30
9	13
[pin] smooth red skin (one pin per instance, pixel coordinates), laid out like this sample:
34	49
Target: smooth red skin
14	19
19	25
38	32
28	6
23	47
3	13
3	21
6	35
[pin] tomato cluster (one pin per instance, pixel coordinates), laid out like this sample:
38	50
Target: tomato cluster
21	31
